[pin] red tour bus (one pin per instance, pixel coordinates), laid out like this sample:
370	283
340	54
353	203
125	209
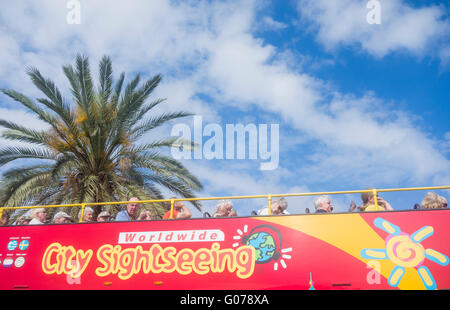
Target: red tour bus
368	250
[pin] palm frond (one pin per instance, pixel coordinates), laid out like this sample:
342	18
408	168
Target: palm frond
90	151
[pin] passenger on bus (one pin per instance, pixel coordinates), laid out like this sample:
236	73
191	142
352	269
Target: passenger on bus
24	220
278	208
223	208
62	217
433	201
5	219
88	215
369	202
104	217
323	204
39	216
131	213
180	211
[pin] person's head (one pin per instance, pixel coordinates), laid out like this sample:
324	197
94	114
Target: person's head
178	206
24	220
432	201
232	213
279	206
324	203
367	197
224	207
62	217
103	216
39	214
88	215
4	220
133	207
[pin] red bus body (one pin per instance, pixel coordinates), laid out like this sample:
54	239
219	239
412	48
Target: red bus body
372	250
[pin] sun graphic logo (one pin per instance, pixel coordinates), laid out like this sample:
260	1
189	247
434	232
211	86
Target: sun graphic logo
267	241
406	251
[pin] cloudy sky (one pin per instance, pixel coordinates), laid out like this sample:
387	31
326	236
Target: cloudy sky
358	104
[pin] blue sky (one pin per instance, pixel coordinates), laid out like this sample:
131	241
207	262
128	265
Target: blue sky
357	104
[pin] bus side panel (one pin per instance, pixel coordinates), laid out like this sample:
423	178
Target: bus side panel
378	250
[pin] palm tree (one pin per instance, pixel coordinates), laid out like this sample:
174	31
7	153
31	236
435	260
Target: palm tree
90	153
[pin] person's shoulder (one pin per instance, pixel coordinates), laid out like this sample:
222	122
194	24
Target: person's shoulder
263	211
122	216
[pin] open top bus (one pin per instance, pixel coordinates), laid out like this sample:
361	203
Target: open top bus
359	250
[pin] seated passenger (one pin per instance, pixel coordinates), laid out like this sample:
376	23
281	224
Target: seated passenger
5	219
433	201
223	208
180	211
131	213
88	215
278	208
24	220
39	216
323	204
369	202
104	217
62	217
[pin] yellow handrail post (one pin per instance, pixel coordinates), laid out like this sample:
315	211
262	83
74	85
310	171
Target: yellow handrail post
269	197
83	205
171	208
375	199
1	212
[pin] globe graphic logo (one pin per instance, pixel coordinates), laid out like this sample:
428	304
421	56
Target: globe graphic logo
267	242
264	244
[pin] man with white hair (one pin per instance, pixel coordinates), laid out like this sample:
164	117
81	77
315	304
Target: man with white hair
39	215
323	204
223	208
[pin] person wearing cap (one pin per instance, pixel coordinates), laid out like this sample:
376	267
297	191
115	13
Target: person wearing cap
24	220
104	217
62	217
323	204
278	208
39	215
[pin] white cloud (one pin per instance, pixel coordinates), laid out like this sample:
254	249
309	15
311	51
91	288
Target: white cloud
268	23
402	27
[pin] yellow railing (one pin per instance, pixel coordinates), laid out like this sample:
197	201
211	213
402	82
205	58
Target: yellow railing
268	197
